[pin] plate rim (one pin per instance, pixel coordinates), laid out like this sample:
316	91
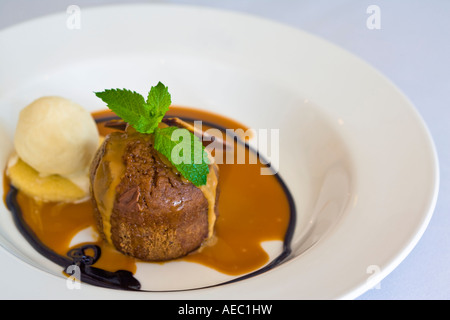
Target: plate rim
356	291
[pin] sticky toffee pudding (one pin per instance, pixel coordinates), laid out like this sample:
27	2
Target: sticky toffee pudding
250	208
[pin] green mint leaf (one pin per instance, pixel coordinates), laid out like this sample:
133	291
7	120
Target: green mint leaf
128	105
185	151
143	115
159	101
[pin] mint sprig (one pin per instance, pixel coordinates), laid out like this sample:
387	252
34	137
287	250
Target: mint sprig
182	148
142	115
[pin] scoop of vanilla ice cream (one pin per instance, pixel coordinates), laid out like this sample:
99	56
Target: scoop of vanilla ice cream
57	136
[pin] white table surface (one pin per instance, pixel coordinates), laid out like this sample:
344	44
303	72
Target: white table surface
412	48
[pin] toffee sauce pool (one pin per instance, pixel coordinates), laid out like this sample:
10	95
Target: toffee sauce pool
252	208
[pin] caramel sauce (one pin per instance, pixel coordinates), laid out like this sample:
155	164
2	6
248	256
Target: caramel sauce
252	208
55	224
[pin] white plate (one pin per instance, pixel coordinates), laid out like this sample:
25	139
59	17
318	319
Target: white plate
354	152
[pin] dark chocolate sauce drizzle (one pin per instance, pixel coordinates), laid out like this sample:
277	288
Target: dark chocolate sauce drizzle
123	279
77	257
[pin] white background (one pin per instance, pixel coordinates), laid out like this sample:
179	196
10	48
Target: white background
412	48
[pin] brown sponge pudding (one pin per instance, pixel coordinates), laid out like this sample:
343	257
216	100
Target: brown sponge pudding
143	206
